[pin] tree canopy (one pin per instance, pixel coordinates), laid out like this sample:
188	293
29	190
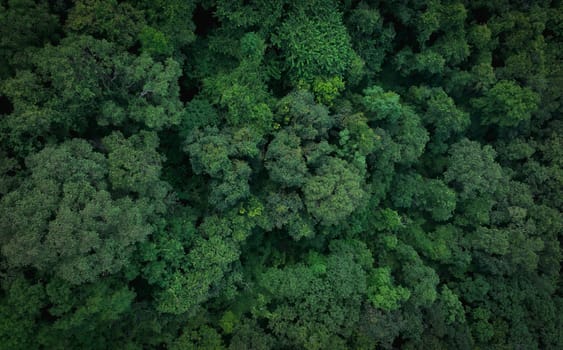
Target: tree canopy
275	174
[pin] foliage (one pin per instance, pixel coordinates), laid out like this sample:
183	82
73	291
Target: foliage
507	104
315	46
323	174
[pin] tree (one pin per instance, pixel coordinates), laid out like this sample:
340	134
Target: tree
20	308
381	291
209	151
284	208
249	335
82	314
91	85
135	165
334	192
217	154
307	119
242	91
317	304
473	170
116	22
371	38
232	188
154	99
263	14
315	45
63	221
399	120
507	104
357	140
173	19
202	337
18	41
431	195
440	114
285	160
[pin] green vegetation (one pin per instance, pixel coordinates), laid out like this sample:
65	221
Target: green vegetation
276	174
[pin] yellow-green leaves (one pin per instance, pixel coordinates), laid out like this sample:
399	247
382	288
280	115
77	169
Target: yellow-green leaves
382	292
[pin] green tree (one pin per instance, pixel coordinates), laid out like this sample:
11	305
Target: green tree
20	307
303	296
134	165
63	221
108	19
242	91
173	18
334	192
381	291
285	160
83	314
440	115
25	26
307	119
91	84
315	45
370	36
472	169
507	104
399	120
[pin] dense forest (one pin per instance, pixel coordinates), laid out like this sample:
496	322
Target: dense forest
281	174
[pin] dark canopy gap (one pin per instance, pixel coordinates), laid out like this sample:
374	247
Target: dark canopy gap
6	106
204	20
481	15
188	89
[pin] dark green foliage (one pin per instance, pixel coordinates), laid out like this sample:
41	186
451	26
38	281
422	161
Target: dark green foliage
315	43
507	104
305	294
228	174
63	221
172	18
309	120
371	38
25	26
334	192
20	307
108	19
473	170
242	92
285	160
90	84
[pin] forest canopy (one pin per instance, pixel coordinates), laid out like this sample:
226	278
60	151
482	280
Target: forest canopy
281	174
